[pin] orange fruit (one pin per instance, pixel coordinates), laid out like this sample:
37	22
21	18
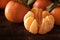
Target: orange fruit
42	3
56	13
38	21
15	11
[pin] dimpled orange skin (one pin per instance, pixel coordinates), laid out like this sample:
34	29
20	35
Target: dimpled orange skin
56	13
15	12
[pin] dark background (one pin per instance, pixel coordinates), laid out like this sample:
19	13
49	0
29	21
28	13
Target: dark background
16	31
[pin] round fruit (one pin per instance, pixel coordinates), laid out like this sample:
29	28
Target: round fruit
38	21
42	4
56	13
15	11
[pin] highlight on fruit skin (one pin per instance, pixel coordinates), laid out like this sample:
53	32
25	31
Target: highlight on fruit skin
35	23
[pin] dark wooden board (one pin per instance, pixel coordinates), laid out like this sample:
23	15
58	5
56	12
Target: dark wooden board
16	31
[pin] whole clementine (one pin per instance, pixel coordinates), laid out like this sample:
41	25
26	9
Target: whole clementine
15	11
42	4
56	13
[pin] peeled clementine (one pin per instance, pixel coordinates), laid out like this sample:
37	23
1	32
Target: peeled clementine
38	21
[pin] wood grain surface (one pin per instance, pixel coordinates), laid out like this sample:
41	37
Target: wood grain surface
16	31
